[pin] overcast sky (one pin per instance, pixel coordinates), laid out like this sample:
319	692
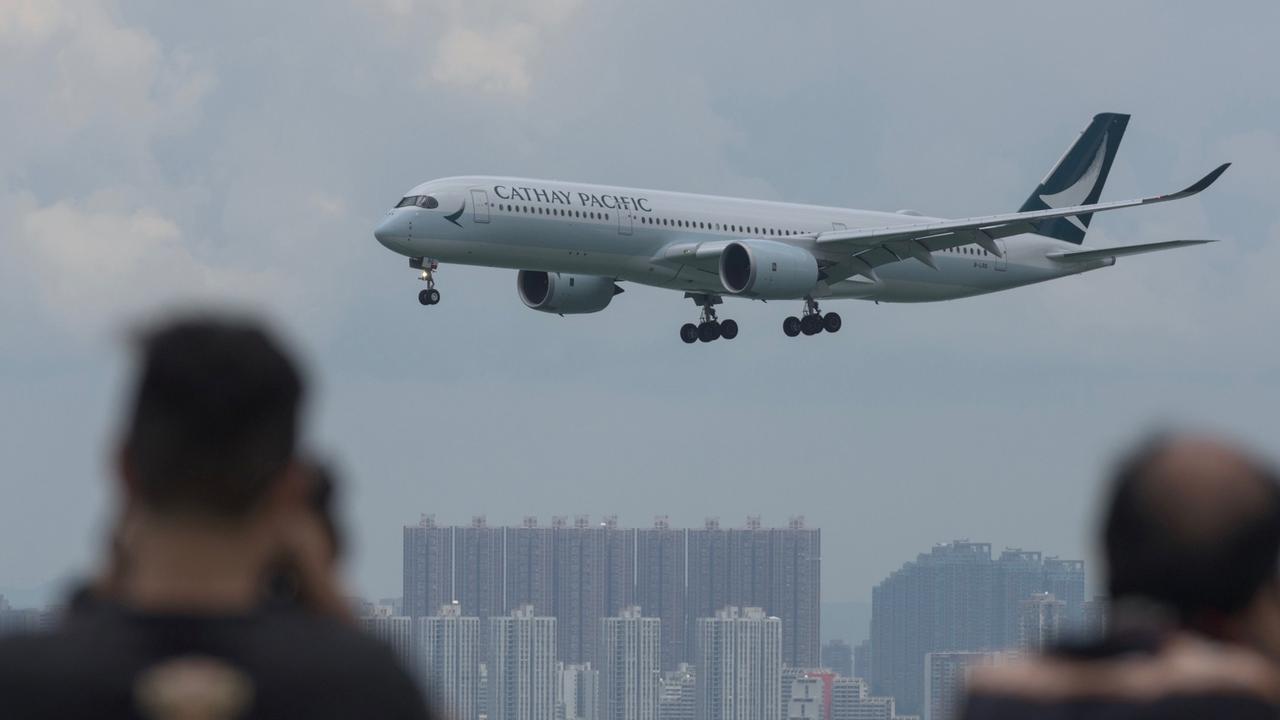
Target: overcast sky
153	154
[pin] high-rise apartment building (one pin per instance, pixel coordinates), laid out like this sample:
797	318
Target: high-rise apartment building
1065	579
530	567
738	655
957	597
522	666
1093	617
577	692
838	657
851	700
397	632
862	660
677	694
945	674
577	588
594	568
428	567
629	666
776	569
808	695
448	650
479	567
795	588
660	585
1040	622
620	566
708	577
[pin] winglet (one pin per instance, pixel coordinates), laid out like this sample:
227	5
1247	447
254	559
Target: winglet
1202	183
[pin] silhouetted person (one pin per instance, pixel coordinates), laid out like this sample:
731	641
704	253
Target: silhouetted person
214	506
1192	542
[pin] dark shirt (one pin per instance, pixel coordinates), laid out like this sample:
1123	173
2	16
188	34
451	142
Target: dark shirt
109	662
1135	678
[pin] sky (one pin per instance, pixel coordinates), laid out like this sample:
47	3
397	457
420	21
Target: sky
159	156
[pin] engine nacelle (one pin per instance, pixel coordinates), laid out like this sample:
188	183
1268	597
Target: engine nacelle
767	269
564	294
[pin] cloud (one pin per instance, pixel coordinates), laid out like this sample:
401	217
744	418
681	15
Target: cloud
490	48
88	84
81	268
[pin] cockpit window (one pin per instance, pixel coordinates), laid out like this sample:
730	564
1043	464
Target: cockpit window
422	201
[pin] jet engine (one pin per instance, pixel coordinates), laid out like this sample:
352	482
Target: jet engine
564	294
767	269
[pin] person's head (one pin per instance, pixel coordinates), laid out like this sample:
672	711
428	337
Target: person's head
213	427
1193	525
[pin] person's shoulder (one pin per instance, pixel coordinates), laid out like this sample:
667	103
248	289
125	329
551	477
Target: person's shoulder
353	667
313	632
1185	669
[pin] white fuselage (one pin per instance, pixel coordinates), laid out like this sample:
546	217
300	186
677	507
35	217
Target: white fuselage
621	233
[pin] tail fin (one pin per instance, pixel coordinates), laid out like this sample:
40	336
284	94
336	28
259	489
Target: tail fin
1078	177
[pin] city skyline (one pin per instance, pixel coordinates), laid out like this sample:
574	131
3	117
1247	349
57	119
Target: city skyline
580	571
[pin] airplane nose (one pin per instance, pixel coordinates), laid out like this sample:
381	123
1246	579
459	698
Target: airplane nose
389	231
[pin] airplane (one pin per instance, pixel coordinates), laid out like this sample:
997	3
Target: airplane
573	243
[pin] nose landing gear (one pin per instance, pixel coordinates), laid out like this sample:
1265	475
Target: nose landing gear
708	327
431	295
812	321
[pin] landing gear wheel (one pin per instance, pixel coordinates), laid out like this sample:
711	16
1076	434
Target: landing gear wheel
689	333
791	326
428	268
811	324
708	327
831	322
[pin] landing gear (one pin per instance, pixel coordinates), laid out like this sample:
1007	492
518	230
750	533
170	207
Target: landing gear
812	321
431	295
709	327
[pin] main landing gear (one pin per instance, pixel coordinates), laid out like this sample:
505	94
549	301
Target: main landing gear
812	321
431	295
708	327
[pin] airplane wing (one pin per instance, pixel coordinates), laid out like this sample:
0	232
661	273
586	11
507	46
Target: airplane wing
1115	252
868	248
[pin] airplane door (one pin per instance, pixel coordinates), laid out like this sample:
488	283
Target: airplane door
1002	262
626	218
480	206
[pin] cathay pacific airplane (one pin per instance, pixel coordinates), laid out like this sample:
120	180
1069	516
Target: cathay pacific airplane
573	243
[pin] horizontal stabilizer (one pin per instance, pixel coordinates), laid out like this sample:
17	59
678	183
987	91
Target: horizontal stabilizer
1115	252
